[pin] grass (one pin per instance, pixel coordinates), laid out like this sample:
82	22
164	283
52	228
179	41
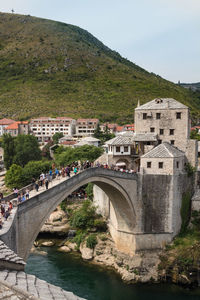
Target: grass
51	68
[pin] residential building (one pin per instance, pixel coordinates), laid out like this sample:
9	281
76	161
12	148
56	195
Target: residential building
5	123
89	140
44	127
86	127
19	127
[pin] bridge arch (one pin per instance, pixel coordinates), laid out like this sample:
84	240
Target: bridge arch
32	214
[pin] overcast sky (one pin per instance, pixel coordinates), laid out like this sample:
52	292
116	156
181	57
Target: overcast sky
162	36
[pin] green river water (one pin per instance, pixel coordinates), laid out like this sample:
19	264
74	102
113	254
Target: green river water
92	282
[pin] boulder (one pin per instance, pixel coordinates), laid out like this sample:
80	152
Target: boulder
48	243
56	216
86	252
64	249
71	246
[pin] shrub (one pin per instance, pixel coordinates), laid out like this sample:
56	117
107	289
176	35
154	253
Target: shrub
100	224
79	238
83	217
14	177
91	241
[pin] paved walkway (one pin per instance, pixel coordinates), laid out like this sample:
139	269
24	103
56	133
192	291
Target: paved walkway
31	285
8	223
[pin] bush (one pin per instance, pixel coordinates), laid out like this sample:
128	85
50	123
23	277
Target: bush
63	205
100	224
91	241
83	217
79	238
14	177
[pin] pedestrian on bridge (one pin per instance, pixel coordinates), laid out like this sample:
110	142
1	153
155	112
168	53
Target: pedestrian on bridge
46	183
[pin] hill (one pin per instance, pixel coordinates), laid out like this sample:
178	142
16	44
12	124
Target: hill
191	86
55	69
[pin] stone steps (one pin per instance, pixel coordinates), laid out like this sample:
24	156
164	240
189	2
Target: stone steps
34	286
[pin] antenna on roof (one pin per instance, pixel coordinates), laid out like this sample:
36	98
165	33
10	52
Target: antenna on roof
138	104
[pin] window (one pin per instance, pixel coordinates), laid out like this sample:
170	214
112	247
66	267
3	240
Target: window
152	129
178	115
149	164
171	132
161	131
125	148
159	142
172	142
157	116
177	164
117	149
144	116
160	165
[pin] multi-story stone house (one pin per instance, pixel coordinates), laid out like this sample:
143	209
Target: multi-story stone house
170	121
44	128
19	127
86	127
161	121
5	123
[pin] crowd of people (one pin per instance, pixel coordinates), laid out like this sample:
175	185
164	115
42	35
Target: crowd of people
6	208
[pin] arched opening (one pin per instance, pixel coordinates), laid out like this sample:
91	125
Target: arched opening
123	163
32	216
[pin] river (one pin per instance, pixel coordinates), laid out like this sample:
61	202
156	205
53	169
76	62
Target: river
92	282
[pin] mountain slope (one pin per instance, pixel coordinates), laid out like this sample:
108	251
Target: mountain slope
51	68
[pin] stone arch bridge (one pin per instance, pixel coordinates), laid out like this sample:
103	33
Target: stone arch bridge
144	209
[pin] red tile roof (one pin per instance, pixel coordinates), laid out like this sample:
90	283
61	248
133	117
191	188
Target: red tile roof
119	128
14	125
6	121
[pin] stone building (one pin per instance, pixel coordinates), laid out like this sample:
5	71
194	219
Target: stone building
170	121
163	159
162	120
5	123
86	127
19	127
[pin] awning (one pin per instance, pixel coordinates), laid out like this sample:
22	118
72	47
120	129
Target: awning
120	164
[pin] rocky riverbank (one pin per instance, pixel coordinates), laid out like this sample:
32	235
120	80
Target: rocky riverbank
139	268
178	263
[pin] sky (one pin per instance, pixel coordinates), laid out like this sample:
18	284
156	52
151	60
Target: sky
162	36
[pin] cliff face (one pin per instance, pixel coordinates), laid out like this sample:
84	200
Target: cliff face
51	68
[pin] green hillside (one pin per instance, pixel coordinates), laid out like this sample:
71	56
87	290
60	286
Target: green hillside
55	69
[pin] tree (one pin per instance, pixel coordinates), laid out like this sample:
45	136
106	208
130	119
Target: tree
14	177
56	137
26	149
9	150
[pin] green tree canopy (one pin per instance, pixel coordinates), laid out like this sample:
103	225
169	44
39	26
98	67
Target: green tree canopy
56	137
14	176
9	150
26	149
65	156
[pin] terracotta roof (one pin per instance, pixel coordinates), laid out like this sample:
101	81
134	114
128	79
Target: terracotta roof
119	128
87	120
68	142
164	150
14	125
162	103
6	121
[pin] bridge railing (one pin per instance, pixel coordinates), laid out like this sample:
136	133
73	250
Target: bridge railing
100	170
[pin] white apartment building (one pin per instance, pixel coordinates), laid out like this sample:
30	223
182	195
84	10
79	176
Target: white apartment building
5	123
86	127
44	127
